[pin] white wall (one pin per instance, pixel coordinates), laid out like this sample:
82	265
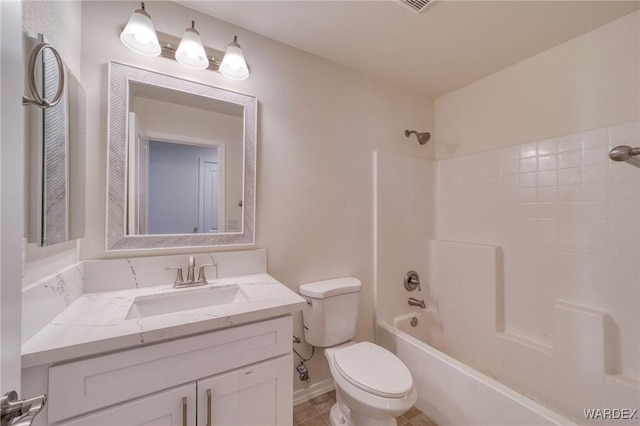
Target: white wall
318	125
587	83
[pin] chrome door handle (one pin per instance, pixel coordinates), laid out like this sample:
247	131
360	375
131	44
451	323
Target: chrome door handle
14	412
184	411
208	407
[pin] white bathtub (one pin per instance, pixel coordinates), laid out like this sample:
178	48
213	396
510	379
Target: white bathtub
452	393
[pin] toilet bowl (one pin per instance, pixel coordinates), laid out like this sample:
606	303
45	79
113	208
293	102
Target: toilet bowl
373	386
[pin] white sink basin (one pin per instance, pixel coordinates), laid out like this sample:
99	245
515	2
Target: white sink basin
178	300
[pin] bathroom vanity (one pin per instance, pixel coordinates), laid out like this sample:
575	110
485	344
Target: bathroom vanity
157	356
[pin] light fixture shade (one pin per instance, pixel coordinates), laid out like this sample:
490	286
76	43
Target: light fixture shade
233	64
190	52
140	34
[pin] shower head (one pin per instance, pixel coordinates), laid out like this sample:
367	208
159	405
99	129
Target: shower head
423	138
623	153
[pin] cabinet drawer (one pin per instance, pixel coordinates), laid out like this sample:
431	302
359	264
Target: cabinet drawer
166	408
87	385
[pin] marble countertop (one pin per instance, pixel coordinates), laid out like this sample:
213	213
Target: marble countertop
96	323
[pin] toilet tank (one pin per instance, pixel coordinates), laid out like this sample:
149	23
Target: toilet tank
330	318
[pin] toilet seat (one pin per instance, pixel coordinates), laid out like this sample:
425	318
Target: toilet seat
373	369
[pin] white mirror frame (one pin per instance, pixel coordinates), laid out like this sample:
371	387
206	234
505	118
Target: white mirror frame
120	77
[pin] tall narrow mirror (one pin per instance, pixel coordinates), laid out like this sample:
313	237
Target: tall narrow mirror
56	153
181	162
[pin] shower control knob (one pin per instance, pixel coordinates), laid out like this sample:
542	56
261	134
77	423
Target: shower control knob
412	281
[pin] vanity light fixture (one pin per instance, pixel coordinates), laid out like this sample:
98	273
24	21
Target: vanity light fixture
233	64
140	36
190	52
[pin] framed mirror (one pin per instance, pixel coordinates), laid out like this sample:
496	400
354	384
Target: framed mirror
181	162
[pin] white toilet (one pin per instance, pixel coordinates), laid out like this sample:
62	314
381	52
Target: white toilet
373	386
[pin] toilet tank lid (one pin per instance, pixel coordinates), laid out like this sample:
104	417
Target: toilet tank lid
330	288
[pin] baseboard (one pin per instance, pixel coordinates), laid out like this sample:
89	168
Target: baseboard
316	389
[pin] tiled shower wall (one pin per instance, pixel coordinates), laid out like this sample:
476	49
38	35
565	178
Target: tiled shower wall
567	220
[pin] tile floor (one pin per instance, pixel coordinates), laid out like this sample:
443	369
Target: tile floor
315	412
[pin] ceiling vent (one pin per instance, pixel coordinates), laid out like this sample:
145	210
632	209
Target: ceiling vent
416	6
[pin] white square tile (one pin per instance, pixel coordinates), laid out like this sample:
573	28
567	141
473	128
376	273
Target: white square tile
629	190
527	179
569	159
548	178
570	143
569	176
595	138
622	173
595	156
597	173
528	150
569	192
624	209
549	146
528	165
548	162
511	167
547	194
596	191
594	210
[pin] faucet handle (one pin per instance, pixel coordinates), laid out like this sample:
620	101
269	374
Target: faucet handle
201	276
179	278
412	281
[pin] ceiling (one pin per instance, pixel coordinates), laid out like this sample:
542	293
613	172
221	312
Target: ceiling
449	45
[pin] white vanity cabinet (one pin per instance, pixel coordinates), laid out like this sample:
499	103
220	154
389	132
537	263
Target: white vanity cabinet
236	376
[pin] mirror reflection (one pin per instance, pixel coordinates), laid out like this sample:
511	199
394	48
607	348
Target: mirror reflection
185	163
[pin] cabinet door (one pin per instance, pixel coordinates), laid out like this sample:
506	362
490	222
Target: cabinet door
167	408
258	395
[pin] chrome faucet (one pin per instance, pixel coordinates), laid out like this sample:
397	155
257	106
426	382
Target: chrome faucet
190	281
190	268
416	302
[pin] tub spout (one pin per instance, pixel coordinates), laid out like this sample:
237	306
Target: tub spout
416	302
